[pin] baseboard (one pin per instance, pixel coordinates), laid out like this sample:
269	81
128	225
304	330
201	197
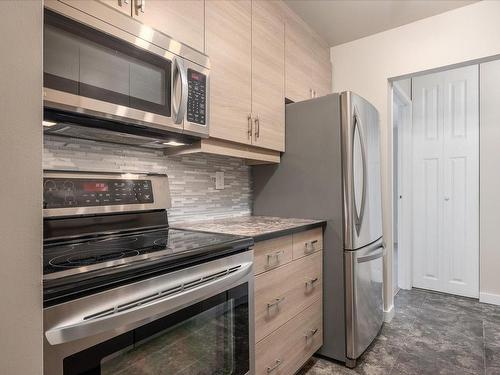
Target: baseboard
493	299
389	314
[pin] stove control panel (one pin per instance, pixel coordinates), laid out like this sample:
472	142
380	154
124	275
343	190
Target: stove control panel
78	192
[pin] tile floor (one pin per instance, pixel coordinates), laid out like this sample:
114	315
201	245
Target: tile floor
431	333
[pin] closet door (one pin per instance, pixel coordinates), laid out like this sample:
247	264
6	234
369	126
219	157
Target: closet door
446	182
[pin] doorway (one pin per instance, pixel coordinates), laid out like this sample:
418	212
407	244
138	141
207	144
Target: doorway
436	183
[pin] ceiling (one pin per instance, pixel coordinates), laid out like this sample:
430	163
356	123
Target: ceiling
341	21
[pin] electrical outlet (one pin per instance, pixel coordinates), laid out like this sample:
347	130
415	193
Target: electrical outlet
219	180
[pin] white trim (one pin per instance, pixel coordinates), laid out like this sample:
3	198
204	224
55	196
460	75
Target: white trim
493	299
404	227
389	314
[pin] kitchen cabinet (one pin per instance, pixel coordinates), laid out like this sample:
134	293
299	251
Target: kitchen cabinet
229	45
94	9
307	61
268	75
124	6
245	42
288	301
182	20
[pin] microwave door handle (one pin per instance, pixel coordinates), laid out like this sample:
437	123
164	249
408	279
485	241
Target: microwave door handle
179	102
142	313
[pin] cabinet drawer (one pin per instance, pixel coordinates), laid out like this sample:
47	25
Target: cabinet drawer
272	253
288	348
308	242
283	292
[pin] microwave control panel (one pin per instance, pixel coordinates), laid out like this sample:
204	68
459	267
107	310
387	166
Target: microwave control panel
197	97
78	192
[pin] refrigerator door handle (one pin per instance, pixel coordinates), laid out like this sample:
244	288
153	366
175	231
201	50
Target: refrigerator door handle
377	253
357	128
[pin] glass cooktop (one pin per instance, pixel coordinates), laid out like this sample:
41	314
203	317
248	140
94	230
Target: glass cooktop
72	258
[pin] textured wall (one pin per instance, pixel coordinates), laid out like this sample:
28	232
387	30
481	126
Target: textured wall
193	191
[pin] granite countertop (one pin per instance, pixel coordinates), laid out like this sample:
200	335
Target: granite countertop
258	227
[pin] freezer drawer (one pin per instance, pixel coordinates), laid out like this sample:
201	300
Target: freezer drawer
364	304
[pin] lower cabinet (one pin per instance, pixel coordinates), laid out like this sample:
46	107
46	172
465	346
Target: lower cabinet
290	346
288	302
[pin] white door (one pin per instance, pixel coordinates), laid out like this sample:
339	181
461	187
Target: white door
446	181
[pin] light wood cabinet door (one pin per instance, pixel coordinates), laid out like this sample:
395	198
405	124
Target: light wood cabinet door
322	71
283	292
182	20
290	346
124	6
268	74
92	7
298	59
272	253
229	45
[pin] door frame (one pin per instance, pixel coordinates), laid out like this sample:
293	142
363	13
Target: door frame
403	229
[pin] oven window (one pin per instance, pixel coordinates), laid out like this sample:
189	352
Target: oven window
85	62
210	337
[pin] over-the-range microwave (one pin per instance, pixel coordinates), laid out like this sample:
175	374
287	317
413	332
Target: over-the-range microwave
115	79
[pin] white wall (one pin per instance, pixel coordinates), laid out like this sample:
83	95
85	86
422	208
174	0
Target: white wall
21	188
365	65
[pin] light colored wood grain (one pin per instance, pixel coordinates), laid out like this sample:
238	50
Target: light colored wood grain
229	45
182	20
298	58
307	242
253	155
268	74
292	283
272	253
93	8
322	67
289	345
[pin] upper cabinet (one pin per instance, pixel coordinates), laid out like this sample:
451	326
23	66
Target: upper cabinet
229	46
245	43
268	75
183	20
307	61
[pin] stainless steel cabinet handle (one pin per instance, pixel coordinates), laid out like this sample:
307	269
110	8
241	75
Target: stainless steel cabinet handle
277	363
310	248
309	334
249	121
310	283
125	1
276	256
142	5
257	127
275	303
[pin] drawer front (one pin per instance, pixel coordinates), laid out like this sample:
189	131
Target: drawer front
283	292
272	253
284	351
308	242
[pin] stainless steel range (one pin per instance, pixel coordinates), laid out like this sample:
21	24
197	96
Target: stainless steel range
126	294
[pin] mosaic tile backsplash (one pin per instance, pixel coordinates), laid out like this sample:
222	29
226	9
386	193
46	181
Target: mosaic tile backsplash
191	177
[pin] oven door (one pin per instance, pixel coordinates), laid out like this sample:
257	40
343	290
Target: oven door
205	330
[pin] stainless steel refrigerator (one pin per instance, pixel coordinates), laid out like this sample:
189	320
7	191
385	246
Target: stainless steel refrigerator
331	170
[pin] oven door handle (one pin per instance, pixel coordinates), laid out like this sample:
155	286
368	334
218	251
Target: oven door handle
147	310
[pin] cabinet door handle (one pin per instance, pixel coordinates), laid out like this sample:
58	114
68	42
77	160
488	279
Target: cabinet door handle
125	1
249	122
276	256
310	283
277	363
275	303
309	334
142	5
257	127
309	246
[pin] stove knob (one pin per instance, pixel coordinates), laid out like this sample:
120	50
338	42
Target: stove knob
50	185
69	185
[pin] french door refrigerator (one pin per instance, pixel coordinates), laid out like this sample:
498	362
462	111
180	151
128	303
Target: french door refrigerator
331	170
